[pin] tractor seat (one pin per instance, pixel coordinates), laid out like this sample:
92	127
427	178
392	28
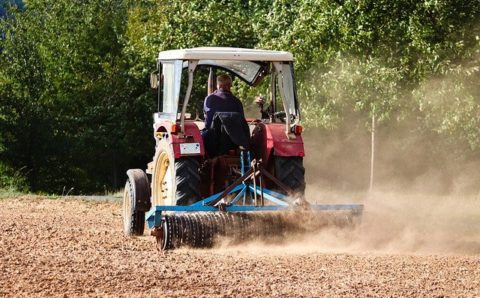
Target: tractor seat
229	131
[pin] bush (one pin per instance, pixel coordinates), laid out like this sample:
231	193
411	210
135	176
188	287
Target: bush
11	179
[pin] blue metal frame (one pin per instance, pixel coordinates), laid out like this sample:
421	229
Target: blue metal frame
277	201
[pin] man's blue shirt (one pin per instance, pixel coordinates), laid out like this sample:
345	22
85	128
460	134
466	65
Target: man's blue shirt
220	101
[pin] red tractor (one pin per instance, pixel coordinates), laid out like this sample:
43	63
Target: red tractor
182	173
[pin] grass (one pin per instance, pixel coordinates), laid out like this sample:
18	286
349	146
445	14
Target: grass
10	193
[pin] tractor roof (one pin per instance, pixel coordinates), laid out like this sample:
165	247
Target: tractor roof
223	53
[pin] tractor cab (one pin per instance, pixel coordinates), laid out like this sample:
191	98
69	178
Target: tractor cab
252	67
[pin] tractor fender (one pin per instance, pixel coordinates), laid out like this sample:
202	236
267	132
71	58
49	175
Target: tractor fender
163	129
270	138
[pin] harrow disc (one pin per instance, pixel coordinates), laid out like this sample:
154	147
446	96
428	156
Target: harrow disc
203	229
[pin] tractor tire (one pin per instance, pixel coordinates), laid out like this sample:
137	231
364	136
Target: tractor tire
136	199
188	181
290	171
174	181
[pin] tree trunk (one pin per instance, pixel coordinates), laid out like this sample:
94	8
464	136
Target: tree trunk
372	157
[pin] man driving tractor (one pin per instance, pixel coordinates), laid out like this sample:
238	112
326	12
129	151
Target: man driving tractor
221	100
222	108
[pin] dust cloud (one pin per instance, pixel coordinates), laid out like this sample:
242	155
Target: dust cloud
423	202
426	194
392	223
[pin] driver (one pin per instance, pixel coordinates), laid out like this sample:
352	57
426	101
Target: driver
221	100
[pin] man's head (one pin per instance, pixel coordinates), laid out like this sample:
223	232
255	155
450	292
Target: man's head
224	82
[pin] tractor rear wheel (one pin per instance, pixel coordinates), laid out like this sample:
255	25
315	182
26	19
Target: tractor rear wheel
136	199
174	181
290	171
188	181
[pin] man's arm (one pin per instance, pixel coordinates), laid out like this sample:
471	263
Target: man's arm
208	111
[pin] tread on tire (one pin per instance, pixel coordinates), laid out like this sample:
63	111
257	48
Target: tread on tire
188	181
291	172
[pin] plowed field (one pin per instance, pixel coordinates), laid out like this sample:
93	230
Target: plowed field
66	247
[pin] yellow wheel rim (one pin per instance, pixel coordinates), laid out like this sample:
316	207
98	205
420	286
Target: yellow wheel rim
161	184
127	208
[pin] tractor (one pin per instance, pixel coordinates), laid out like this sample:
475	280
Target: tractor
189	195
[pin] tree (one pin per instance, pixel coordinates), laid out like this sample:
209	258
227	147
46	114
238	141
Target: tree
67	97
75	103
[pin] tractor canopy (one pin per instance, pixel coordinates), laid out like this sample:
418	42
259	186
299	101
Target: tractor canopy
250	65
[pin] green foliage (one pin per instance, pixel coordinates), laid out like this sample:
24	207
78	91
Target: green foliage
75	106
451	105
11	180
419	37
66	95
154	26
350	86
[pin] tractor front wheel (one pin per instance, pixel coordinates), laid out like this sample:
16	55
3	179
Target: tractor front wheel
290	171
136	200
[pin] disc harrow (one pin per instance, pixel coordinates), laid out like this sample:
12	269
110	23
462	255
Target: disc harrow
205	229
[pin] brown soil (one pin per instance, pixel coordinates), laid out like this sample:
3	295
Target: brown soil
76	248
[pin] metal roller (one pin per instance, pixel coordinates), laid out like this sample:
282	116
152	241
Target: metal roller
202	229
